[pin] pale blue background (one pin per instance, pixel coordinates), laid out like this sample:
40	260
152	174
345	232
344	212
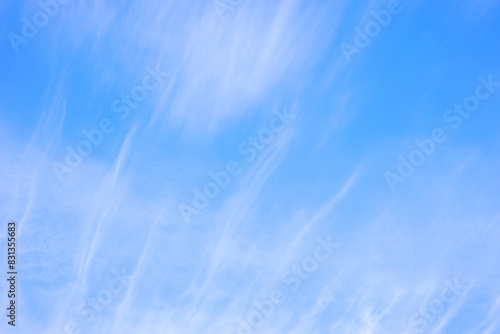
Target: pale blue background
323	176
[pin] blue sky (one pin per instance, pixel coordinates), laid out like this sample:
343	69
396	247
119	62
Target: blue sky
228	167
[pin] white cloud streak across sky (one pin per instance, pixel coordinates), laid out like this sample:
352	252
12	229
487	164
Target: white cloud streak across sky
115	115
